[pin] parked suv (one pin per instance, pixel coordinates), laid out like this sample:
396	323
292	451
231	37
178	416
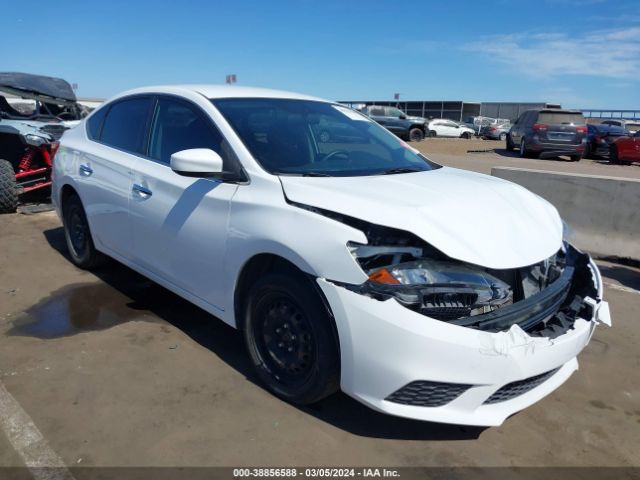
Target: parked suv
549	133
344	265
398	122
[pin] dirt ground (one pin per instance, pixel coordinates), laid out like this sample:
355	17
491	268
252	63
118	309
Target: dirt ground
116	371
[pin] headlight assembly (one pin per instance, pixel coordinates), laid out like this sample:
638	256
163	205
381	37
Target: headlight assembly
441	289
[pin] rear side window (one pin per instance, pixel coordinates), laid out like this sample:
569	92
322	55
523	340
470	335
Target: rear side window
125	124
561	118
377	112
178	126
94	123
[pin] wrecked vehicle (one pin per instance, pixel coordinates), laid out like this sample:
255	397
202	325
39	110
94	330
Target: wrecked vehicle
422	291
29	132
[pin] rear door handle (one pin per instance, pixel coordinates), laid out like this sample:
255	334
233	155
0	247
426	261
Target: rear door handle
85	170
141	191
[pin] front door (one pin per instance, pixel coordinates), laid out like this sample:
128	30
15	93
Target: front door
180	223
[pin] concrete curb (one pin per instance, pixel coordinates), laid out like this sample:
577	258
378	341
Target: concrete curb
604	212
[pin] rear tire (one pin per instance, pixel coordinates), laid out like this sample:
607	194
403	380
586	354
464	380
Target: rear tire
8	188
77	234
465	135
290	339
416	135
524	153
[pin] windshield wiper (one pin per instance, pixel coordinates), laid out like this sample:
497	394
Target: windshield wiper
393	171
303	174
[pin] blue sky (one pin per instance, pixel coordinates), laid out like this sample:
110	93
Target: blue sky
581	53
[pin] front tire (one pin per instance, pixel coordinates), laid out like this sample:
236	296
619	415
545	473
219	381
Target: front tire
290	340
8	188
503	137
509	144
77	234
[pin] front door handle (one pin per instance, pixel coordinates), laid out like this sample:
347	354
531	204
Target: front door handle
141	191
85	170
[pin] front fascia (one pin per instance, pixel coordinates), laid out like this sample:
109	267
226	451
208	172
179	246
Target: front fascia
385	346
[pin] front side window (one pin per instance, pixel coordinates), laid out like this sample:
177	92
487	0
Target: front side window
125	124
302	137
377	112
177	126
394	112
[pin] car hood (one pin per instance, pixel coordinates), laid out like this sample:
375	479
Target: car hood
468	216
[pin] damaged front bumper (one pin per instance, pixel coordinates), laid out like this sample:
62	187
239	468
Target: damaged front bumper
403	363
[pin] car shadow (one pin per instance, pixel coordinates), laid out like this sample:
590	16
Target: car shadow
503	152
137	293
628	277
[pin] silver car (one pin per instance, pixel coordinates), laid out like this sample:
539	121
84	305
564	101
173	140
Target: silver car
495	131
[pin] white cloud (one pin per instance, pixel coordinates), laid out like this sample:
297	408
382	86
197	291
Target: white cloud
605	53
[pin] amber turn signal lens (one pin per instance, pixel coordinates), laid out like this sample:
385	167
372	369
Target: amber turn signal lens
383	276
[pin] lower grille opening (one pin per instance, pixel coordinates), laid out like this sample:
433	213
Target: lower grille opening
519	387
422	393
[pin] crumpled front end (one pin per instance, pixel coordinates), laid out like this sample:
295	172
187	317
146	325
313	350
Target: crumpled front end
399	361
432	338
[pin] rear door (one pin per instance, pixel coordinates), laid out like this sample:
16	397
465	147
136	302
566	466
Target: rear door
180	223
378	114
566	128
105	169
518	126
394	122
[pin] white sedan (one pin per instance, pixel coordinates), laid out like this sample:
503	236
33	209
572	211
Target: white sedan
358	265
441	127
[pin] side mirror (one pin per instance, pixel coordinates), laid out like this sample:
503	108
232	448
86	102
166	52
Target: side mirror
402	116
196	162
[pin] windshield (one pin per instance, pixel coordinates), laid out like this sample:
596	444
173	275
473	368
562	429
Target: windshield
309	138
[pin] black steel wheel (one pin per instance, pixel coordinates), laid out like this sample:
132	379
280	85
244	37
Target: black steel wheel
290	338
78	235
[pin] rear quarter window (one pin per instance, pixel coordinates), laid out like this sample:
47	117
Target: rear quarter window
94	123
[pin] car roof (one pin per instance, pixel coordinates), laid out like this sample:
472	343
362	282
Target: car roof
223	91
558	110
606	127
